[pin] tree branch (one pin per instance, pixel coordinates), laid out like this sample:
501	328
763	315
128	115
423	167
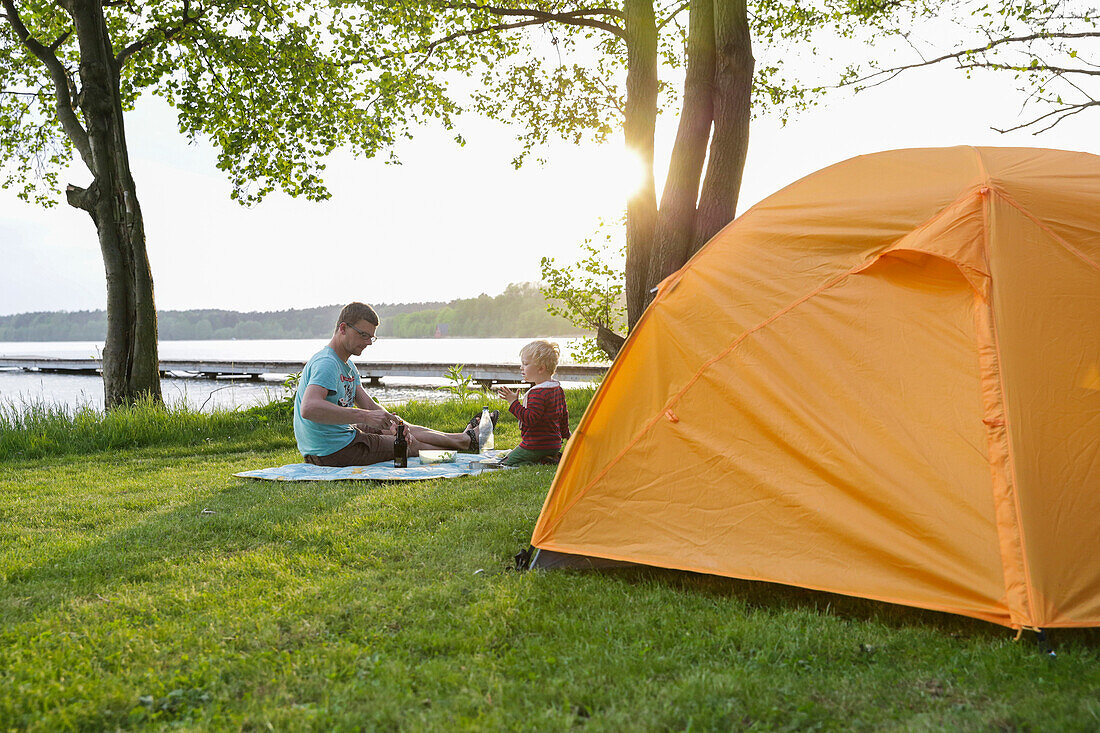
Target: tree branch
894	71
63	92
672	16
613	100
60	39
431	46
213	69
534	17
1058	70
609	341
82	198
1059	114
167	33
575	17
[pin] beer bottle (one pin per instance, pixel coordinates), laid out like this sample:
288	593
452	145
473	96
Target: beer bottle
400	448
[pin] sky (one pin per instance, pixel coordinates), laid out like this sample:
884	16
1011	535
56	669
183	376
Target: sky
450	222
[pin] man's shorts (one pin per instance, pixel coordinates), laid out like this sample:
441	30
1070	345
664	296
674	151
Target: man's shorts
364	449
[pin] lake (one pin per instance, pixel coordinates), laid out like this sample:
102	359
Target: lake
66	389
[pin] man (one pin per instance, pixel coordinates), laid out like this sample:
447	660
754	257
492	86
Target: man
336	423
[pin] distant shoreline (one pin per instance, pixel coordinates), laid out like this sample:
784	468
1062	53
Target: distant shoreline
521	311
304	338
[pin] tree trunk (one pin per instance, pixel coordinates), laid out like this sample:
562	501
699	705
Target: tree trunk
131	369
732	107
676	218
640	127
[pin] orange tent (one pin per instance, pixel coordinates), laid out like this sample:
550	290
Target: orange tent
882	381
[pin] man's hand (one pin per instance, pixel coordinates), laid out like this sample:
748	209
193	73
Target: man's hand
379	419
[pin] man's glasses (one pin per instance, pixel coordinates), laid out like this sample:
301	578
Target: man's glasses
370	338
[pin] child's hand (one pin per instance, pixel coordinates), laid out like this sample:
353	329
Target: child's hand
506	394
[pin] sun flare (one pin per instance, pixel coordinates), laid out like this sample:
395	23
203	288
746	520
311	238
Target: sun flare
628	170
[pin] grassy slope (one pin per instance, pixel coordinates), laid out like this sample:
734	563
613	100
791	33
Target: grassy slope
148	586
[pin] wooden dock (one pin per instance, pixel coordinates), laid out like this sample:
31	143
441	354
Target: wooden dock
372	373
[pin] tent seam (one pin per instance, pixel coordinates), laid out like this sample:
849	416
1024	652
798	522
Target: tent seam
675	398
1011	201
1010	453
1035	220
698	374
981	164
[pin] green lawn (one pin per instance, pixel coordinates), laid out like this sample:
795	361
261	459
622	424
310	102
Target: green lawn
146	587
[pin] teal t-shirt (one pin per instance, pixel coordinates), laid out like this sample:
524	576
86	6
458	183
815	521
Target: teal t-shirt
339	378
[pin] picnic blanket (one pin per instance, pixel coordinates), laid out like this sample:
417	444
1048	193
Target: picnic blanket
466	464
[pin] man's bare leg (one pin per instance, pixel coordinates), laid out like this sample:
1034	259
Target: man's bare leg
420	437
429	439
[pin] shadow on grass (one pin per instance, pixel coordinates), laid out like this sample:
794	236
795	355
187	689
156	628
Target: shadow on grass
237	518
773	598
218	519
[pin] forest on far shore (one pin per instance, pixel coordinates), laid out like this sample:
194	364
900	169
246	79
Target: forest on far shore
520	311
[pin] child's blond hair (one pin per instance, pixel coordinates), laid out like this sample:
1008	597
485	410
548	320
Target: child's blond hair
541	353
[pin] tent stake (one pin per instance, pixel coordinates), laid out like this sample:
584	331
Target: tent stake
1044	643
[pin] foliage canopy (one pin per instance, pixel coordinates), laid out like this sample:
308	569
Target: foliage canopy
274	85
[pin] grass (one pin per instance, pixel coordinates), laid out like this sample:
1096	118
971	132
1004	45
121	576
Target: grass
145	588
38	430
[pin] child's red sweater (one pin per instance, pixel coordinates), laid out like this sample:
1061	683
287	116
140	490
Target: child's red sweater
544	419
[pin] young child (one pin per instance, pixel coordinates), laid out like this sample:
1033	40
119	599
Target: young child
543	417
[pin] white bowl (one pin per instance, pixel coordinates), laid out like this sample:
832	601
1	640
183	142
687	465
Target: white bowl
437	456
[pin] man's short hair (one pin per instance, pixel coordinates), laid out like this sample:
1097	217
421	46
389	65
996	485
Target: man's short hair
542	353
355	312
